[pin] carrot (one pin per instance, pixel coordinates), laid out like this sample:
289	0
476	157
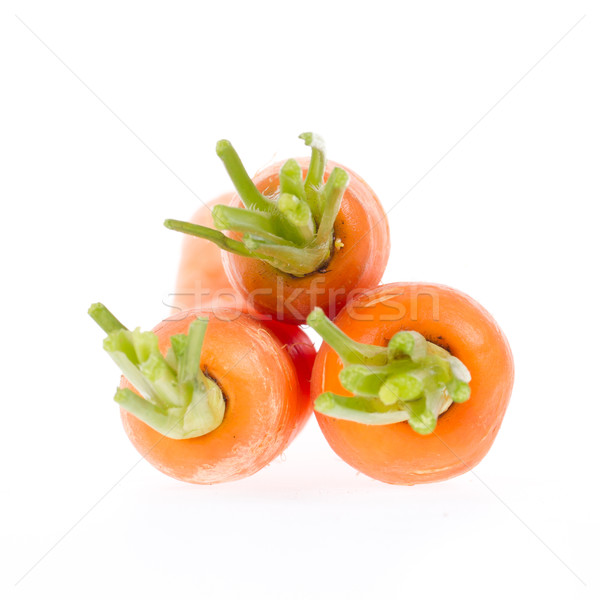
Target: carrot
412	383
303	234
201	280
208	399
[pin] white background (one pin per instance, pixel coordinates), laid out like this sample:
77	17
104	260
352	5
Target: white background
481	117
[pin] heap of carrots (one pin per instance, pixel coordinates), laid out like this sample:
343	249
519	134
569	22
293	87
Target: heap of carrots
410	385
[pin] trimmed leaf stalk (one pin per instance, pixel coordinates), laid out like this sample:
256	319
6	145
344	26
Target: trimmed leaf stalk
410	380
294	231
175	397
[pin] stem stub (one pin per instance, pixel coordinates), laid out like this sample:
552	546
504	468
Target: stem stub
410	380
293	231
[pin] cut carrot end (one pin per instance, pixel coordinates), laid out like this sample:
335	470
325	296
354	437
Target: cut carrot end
362	380
402	387
107	321
297	212
290	179
407	343
223	146
422	419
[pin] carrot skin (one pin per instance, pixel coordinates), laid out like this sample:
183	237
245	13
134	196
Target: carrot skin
302	352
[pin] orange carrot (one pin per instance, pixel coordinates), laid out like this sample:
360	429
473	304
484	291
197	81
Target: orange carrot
303	234
201	281
206	398
413	382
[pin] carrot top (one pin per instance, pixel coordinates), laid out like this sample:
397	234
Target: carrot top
409	380
177	400
292	231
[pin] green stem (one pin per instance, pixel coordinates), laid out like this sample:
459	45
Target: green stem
292	232
244	185
407	343
314	175
332	198
289	259
359	380
410	380
402	387
318	160
299	216
290	179
260	224
142	409
459	391
366	380
346	348
421	418
176	398
368	411
105	318
188	368
221	240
